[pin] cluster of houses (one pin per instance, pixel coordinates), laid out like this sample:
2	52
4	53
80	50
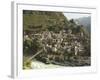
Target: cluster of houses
57	45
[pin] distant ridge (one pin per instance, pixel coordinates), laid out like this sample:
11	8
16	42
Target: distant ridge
86	22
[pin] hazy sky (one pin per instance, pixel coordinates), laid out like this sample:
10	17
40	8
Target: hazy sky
75	15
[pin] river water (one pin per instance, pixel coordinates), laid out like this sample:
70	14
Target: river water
40	65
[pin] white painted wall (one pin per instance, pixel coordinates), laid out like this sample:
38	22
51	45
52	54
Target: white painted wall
5	38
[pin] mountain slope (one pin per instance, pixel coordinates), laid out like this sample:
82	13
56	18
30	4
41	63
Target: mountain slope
44	20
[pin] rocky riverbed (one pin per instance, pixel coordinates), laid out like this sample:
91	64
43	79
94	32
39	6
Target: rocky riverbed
78	62
75	63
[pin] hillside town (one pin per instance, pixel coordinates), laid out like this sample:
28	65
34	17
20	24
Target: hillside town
58	47
60	42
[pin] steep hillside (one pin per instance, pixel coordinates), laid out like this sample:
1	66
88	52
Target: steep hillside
43	20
